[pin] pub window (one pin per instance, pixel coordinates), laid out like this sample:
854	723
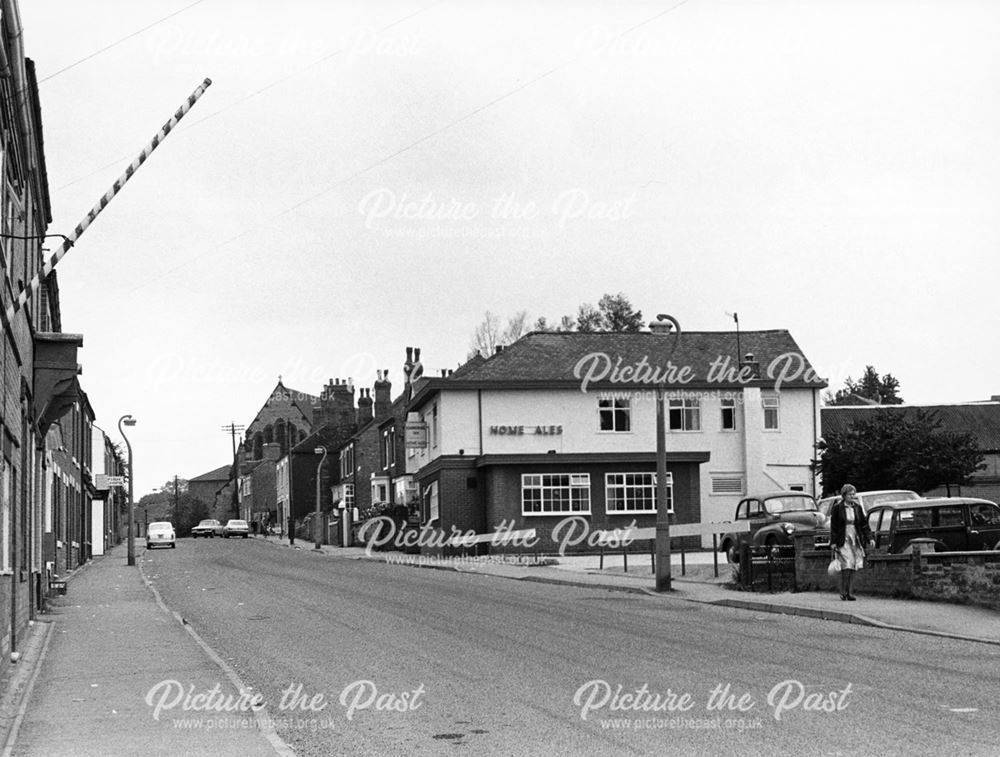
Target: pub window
685	414
634	493
615	414
555	493
728	414
770	403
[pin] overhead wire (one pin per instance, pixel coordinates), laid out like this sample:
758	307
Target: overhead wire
118	42
385	159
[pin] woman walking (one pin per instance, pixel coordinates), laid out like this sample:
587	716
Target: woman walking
849	535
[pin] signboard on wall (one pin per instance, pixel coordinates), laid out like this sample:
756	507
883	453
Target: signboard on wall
416	435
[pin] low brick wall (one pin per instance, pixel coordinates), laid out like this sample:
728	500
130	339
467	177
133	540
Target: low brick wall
960	577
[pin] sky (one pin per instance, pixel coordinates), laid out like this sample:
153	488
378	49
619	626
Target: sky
363	177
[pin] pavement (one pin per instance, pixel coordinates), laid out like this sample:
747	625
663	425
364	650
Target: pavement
94	668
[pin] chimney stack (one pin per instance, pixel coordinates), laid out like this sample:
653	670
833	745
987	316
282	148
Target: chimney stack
383	395
364	407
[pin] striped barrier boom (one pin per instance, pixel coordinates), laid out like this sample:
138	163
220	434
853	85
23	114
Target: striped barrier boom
32	286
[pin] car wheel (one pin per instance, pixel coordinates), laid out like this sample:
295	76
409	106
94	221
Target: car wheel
174	545
148	545
245	535
732	553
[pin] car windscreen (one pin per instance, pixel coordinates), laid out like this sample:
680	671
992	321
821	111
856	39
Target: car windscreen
158	527
789	504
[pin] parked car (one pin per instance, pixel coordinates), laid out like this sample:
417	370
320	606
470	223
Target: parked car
773	519
949	524
870	499
236	528
160	534
207	528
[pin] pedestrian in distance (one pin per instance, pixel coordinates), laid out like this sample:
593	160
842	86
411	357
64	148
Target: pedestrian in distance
849	537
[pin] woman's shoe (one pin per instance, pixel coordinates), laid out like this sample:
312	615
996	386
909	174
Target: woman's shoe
844	597
851	598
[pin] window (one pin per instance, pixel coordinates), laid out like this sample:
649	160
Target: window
5	500
544	493
388	447
348	495
770	402
728	414
432	508
984	515
434	426
347	461
615	414
685	414
635	492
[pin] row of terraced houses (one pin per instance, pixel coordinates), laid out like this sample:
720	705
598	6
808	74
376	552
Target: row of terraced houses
56	508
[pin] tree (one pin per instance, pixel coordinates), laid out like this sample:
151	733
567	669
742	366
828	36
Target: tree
871	389
589	318
897	450
614	312
618	313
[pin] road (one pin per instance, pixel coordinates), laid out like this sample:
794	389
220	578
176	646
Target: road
361	657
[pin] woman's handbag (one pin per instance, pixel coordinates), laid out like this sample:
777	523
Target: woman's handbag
834	567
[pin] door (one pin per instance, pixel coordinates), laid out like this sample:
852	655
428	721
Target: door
984	525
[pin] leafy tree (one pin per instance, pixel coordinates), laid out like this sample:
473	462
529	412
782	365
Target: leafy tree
870	389
618	313
614	312
897	450
589	318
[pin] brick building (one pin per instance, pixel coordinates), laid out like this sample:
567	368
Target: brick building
214	488
38	380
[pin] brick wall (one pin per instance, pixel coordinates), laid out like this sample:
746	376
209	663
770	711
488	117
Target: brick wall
960	577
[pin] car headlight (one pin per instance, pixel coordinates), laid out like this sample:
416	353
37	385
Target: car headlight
788	528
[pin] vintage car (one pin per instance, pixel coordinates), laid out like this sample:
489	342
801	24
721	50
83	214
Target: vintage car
160	534
870	499
773	519
945	524
207	528
235	528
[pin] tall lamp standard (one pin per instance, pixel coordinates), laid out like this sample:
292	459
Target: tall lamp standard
128	420
662	325
319	485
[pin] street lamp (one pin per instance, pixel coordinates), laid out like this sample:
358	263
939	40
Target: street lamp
662	325
319	485
128	420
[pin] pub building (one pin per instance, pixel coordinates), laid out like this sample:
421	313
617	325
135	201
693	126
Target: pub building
563	424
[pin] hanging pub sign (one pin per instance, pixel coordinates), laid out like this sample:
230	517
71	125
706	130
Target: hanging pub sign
416	435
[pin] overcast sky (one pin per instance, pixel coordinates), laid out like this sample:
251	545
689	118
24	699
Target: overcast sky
365	176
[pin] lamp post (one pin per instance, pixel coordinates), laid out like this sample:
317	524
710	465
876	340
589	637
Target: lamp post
662	514
128	420
319	487
662	325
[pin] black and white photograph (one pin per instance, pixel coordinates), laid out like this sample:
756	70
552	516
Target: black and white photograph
443	377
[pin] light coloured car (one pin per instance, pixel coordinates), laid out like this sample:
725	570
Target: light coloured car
236	528
871	499
160	534
208	528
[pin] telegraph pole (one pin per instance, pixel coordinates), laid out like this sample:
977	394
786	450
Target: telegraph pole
232	429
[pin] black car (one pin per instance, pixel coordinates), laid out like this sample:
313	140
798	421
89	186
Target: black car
949	524
773	518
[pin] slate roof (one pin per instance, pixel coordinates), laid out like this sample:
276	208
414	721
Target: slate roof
551	359
981	419
219	474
